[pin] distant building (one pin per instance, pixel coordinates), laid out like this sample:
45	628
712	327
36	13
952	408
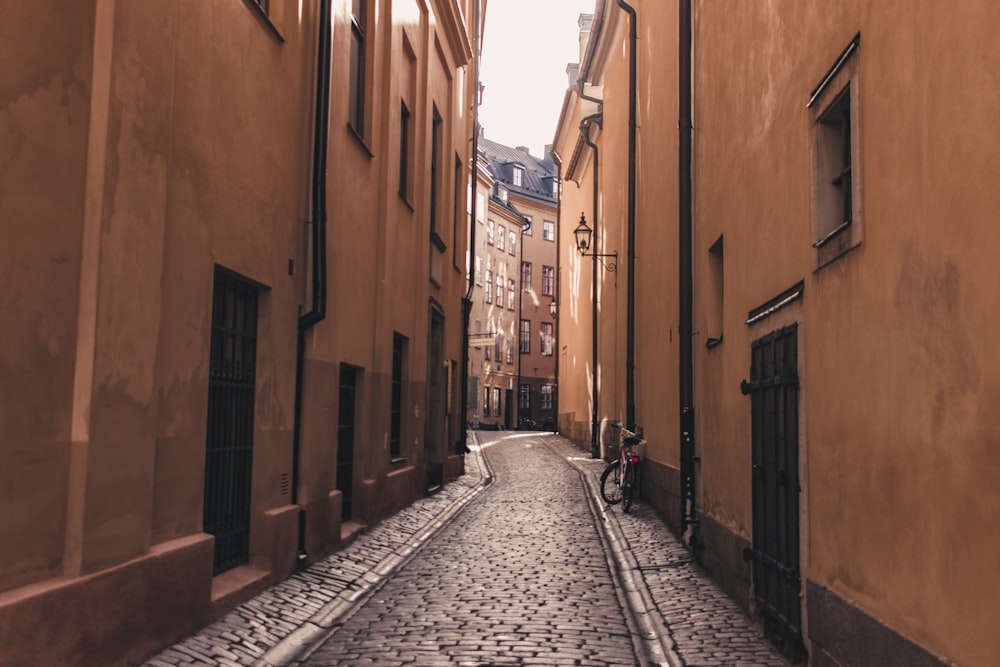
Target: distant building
512	334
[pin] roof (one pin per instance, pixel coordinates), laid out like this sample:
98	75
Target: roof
536	179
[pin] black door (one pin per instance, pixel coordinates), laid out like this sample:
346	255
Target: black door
229	440
434	431
345	439
774	405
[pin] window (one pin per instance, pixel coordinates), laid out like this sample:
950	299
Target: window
518	176
501	237
524	397
489	231
508	347
499	291
486	400
489	286
480	207
713	312
835	140
356	95
511	291
479	270
404	151
503	194
396	410
527	228
435	175
547	391
512	245
498	348
525	337
486	353
548	281
457	218
496	401
548	230
547	341
526	276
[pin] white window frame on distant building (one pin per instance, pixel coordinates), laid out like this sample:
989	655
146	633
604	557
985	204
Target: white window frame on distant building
518	176
548	280
547	392
525	276
547	331
548	230
501	237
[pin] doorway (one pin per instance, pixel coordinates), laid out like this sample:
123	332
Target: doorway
774	407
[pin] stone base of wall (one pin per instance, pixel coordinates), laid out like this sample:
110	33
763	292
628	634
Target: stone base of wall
720	552
661	488
113	617
844	636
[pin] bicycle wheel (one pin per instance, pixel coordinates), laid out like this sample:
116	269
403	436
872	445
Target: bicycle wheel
628	487
611	491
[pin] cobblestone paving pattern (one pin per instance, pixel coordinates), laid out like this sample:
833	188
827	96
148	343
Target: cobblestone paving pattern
707	627
245	634
519	578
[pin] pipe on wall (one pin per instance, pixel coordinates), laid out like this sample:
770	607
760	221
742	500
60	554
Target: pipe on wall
685	324
585	124
630	326
317	310
461	447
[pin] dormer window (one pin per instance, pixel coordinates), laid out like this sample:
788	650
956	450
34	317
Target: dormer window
503	195
518	176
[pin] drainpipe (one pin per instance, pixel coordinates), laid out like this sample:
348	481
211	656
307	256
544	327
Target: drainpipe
687	421
462	446
630	327
557	161
595	451
317	311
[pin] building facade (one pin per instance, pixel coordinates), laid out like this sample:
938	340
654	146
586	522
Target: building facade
799	318
232	317
529	185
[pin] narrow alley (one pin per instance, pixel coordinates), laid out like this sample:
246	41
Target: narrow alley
517	563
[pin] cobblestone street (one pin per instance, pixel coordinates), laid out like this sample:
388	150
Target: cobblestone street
530	569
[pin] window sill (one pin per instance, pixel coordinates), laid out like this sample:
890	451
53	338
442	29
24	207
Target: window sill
403	198
397	460
360	139
713	342
438	242
265	19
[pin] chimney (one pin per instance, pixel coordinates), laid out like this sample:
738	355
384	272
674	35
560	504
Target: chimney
524	149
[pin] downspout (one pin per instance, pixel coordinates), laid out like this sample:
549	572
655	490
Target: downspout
317	311
520	317
687	421
557	161
595	451
630	327
462	446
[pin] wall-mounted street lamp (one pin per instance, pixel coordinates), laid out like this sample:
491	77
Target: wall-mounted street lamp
584	234
553	309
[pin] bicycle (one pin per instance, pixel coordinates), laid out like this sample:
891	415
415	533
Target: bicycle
620	479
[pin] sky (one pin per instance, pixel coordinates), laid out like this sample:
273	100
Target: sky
526	47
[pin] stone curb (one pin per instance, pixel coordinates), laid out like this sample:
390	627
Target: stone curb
299	644
653	636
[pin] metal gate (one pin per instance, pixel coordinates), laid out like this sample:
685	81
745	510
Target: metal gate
229	445
774	405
